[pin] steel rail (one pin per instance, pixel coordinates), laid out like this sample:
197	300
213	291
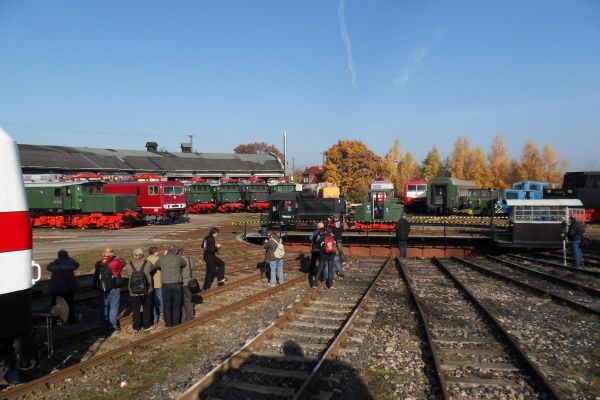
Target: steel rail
340	338
553	264
595	263
80	368
543	275
595	273
441	379
534	289
241	356
529	364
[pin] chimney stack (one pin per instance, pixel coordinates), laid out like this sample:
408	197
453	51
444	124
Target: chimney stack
151	146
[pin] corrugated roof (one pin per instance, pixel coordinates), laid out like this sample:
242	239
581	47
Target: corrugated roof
63	158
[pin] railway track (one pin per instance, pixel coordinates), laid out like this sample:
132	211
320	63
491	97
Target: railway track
563	343
545	262
473	354
580	297
217	302
285	359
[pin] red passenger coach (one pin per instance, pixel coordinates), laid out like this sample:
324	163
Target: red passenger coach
156	201
415	194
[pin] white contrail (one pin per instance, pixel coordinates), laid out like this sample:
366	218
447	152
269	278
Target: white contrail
347	43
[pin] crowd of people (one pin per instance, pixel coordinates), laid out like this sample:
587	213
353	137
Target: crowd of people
161	284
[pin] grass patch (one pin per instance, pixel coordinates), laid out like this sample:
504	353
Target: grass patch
142	376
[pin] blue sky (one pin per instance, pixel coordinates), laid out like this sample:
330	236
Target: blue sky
116	74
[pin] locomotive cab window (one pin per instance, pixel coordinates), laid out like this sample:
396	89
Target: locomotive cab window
57	192
153	190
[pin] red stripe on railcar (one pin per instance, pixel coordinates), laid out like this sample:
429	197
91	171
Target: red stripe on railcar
15	231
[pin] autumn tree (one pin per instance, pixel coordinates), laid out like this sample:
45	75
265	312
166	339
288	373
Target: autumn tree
389	165
258	148
552	173
297	175
459	158
408	168
476	168
351	165
531	162
516	172
499	163
431	163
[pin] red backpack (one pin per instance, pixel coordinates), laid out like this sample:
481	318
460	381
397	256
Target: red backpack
329	245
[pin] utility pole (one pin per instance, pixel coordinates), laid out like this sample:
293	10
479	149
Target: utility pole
284	153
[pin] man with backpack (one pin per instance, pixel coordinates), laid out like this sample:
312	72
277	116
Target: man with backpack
274	256
107	279
140	289
170	266
215	267
327	255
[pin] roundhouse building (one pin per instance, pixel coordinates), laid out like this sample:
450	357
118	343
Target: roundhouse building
40	159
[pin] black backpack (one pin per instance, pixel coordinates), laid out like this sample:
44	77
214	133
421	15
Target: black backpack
106	282
138	283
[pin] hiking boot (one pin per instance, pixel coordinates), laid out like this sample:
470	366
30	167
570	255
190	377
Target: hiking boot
341	274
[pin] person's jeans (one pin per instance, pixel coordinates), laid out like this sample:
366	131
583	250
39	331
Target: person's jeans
110	307
141	318
325	265
338	265
172	296
158	304
403	246
276	267
577	254
340	249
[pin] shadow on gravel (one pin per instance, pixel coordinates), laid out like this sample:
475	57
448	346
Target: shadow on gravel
281	373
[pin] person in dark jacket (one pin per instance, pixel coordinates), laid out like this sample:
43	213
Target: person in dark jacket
215	267
402	234
62	282
575	235
171	266
141	319
316	240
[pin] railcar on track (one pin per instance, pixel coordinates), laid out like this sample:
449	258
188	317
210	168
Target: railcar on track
79	205
15	260
584	186
156	201
447	195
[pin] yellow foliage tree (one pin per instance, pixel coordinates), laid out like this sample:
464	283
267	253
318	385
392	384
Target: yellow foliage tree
531	162
389	167
552	172
459	158
408	168
499	163
351	165
517	172
432	163
476	168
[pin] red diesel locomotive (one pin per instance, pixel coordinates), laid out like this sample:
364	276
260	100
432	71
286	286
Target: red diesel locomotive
156	201
415	194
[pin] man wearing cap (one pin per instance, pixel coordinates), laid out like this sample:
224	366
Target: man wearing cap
109	307
402	234
141	304
62	281
575	235
316	240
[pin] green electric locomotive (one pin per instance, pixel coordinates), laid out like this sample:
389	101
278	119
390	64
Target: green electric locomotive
79	205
